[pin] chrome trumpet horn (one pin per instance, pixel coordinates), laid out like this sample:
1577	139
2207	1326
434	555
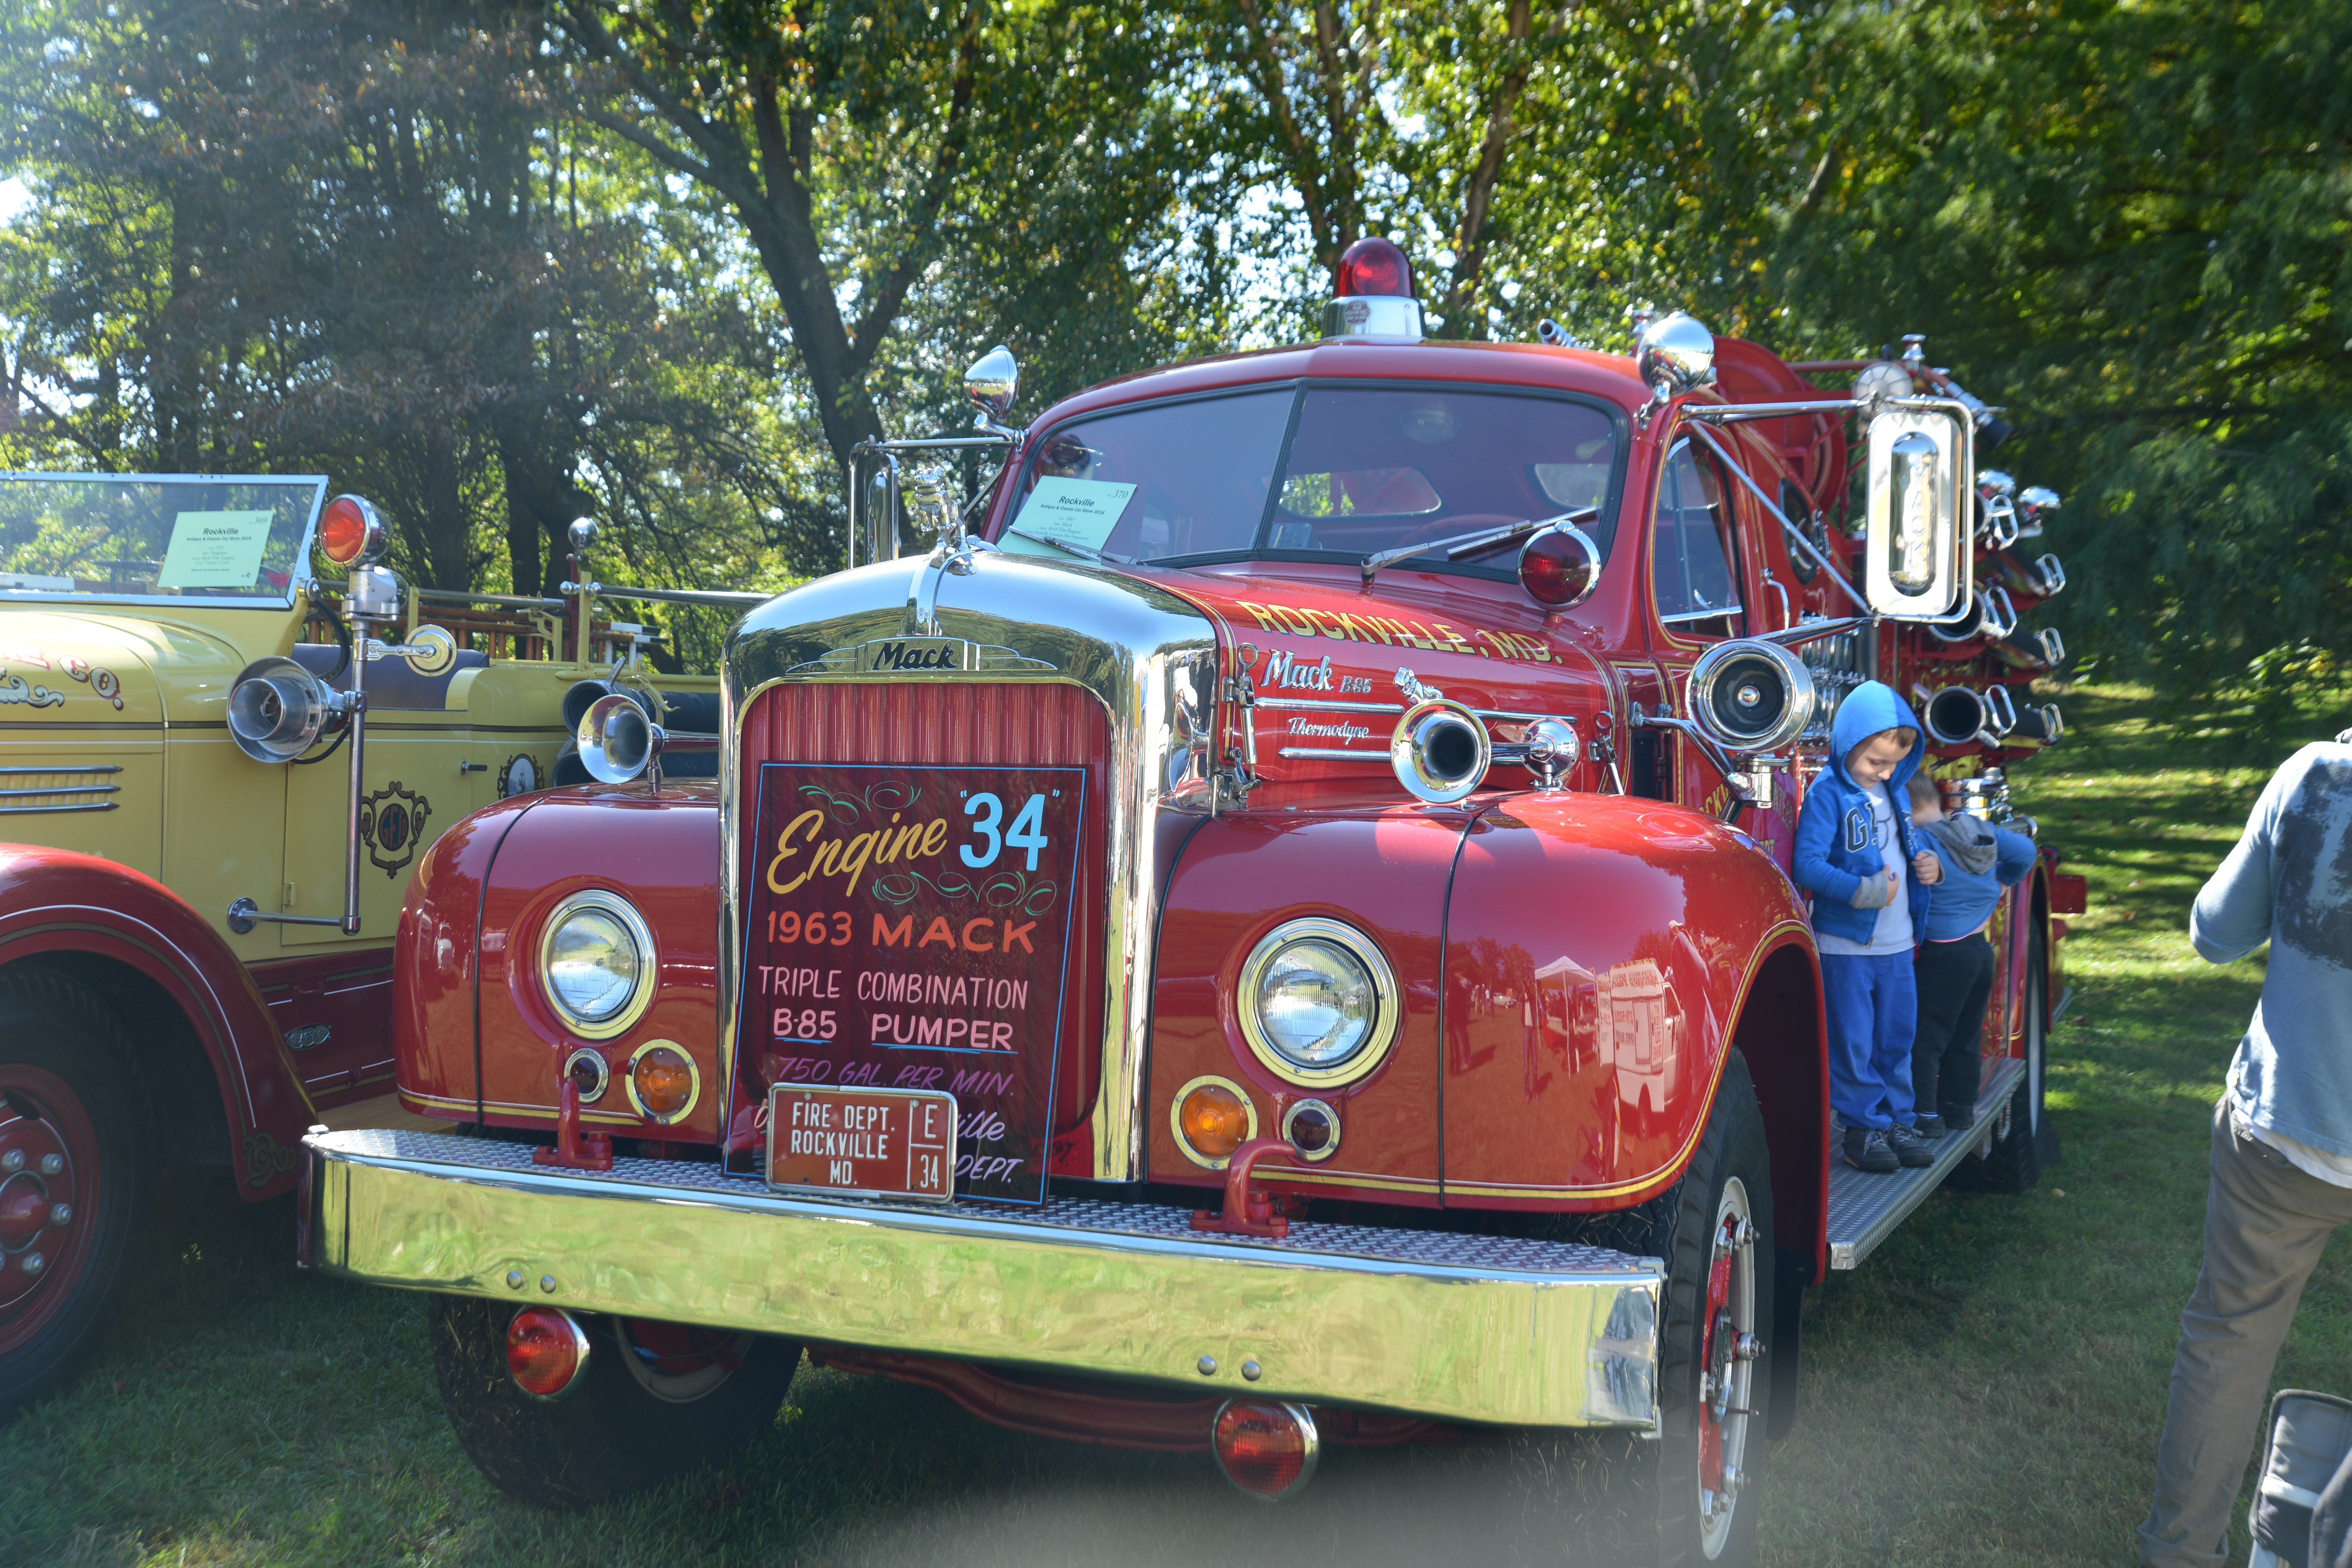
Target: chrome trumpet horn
618	741
1440	751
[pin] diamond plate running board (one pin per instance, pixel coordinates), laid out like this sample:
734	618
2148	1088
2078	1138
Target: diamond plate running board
1864	1209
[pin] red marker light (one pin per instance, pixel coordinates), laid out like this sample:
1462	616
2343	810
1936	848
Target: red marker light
1559	566
545	1352
1266	1448
1375	266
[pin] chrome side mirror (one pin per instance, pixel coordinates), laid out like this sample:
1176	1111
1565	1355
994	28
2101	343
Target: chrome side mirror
1917	559
617	741
1751	696
991	382
1674	354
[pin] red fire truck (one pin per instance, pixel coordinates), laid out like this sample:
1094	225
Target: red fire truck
1275	929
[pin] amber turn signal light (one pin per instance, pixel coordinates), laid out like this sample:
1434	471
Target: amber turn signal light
1214	1120
546	1352
662	1081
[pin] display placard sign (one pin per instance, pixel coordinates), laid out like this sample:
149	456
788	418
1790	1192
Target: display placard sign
908	927
214	550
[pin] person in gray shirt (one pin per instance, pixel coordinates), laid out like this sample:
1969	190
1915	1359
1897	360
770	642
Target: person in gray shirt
2282	1159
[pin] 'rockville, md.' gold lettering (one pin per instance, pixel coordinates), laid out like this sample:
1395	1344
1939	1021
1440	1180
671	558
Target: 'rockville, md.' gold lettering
849	857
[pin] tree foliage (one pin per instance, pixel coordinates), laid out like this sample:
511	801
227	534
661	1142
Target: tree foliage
671	261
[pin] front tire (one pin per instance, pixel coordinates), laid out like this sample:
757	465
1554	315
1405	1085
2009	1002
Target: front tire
75	1168
657	1400
1694	1491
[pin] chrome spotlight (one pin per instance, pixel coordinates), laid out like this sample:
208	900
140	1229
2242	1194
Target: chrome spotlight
277	709
618	741
1439	750
1674	354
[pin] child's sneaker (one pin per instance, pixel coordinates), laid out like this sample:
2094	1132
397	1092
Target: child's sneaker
1910	1149
1930	1127
1960	1120
1866	1149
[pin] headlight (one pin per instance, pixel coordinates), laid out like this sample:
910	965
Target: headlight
596	961
1318	1003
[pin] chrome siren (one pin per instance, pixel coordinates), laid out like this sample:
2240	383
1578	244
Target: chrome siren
277	709
1751	696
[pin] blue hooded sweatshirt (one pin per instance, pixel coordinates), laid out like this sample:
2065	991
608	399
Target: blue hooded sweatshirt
1835	845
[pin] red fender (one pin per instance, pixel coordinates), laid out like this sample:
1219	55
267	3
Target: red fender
55	901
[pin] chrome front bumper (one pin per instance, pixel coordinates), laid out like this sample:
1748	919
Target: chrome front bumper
1459	1328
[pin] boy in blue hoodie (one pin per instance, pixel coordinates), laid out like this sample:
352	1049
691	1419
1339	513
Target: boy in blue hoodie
1956	963
1870	881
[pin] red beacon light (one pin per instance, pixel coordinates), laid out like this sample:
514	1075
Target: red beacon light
1375	294
1373	266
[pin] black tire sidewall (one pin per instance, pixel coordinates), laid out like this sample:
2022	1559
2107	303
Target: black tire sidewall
51	1022
610	1435
1734	1144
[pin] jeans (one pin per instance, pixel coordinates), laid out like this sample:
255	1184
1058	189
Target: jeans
2266	1223
1947	1059
1874	1011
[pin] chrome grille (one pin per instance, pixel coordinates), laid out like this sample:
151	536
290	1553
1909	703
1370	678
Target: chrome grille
28	792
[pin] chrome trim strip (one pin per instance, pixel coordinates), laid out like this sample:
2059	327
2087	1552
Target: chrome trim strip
34	810
77	771
1329	705
61	789
1339	705
1329	755
1149	656
1447	1326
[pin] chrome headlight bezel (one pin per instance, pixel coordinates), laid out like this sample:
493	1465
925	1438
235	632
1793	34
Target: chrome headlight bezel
622	1019
1367	1057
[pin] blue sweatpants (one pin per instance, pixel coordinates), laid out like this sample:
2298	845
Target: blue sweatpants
1873	1011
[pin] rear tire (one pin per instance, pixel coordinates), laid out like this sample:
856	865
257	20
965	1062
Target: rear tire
1658	1490
636	1419
2014	1162
73	1124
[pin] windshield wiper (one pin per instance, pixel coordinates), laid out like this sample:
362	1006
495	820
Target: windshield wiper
1463	546
1081	551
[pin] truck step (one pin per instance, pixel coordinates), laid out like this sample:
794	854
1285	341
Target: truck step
1864	1209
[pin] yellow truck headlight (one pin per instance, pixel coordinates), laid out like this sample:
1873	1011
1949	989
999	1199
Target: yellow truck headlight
1318	1003
596	961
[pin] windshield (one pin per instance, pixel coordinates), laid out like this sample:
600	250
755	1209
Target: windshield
226	541
1313	472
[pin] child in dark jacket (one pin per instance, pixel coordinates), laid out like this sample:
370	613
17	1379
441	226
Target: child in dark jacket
1956	963
1869	880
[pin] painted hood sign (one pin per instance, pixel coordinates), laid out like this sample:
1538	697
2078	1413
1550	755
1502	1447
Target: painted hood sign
910	927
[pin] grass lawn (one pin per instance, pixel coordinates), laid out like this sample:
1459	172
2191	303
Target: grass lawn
1986	1389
